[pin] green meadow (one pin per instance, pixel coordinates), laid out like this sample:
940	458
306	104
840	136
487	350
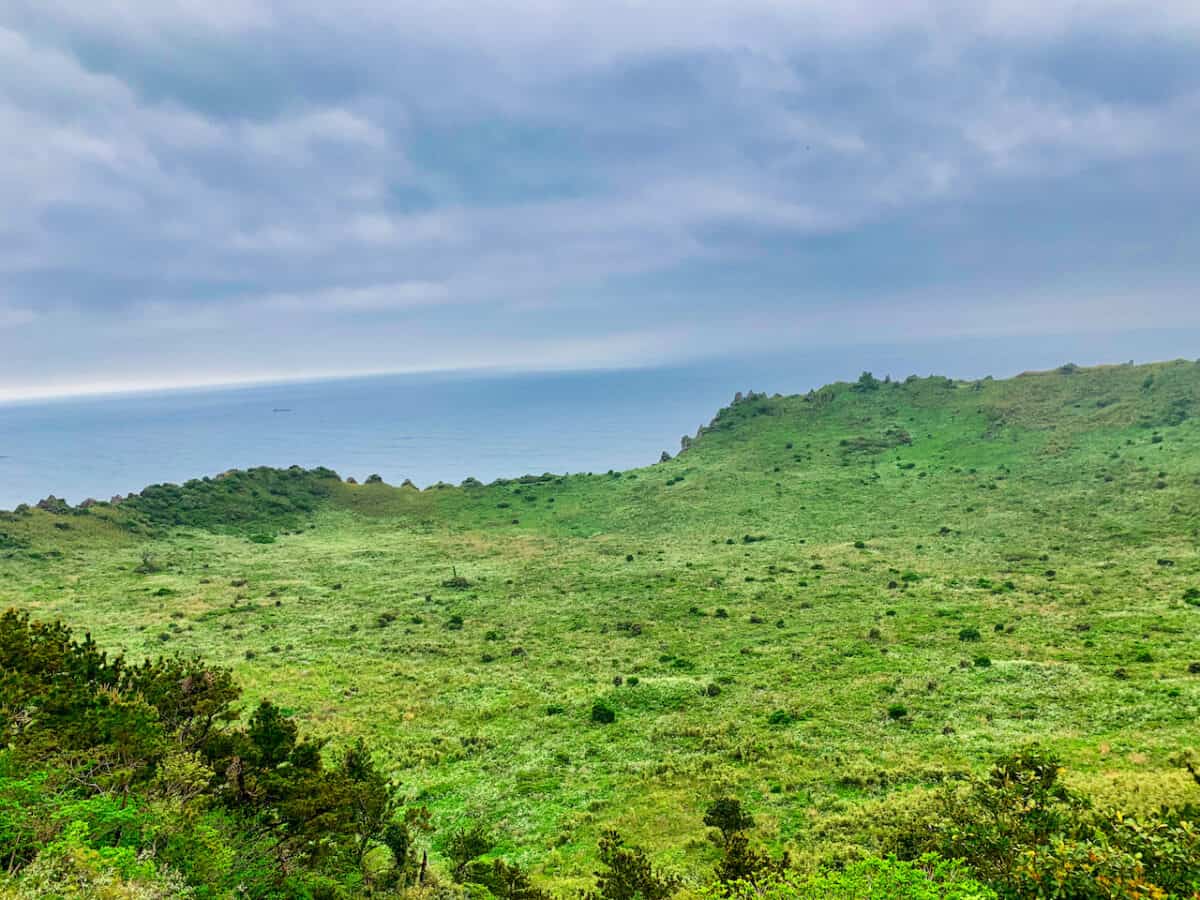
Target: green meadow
827	605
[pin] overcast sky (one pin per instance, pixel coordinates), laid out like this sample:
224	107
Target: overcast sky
207	190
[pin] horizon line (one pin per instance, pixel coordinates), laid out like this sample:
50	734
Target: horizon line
10	397
34	395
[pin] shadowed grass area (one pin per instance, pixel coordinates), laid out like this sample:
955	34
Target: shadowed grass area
826	605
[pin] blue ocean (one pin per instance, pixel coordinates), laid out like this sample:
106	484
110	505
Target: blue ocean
424	427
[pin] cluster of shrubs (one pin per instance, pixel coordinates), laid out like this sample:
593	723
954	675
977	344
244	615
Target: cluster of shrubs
257	501
121	780
141	779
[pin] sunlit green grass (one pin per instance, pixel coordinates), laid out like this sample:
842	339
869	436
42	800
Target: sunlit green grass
774	591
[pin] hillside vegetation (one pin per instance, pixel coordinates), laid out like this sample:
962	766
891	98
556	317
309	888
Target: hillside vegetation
849	610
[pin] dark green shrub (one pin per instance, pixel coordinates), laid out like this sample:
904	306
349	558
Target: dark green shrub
628	874
503	880
602	713
742	865
1020	829
727	816
866	382
897	712
465	845
969	634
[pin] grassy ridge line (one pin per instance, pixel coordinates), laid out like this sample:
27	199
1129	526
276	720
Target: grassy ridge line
1068	401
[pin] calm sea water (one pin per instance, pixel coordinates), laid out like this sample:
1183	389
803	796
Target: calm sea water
445	427
426	428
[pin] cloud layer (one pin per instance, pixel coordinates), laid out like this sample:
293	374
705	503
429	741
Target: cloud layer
206	190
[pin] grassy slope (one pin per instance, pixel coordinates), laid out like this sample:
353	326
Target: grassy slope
1058	514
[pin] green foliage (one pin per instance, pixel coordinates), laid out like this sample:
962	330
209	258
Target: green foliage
965	496
1023	831
866	382
504	880
465	845
629	874
256	502
727	816
70	866
108	759
928	878
888	439
11	542
741	863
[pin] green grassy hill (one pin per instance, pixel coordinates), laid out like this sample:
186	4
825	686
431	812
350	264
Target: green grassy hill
826	605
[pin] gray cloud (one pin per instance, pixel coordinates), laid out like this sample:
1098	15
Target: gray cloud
235	190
